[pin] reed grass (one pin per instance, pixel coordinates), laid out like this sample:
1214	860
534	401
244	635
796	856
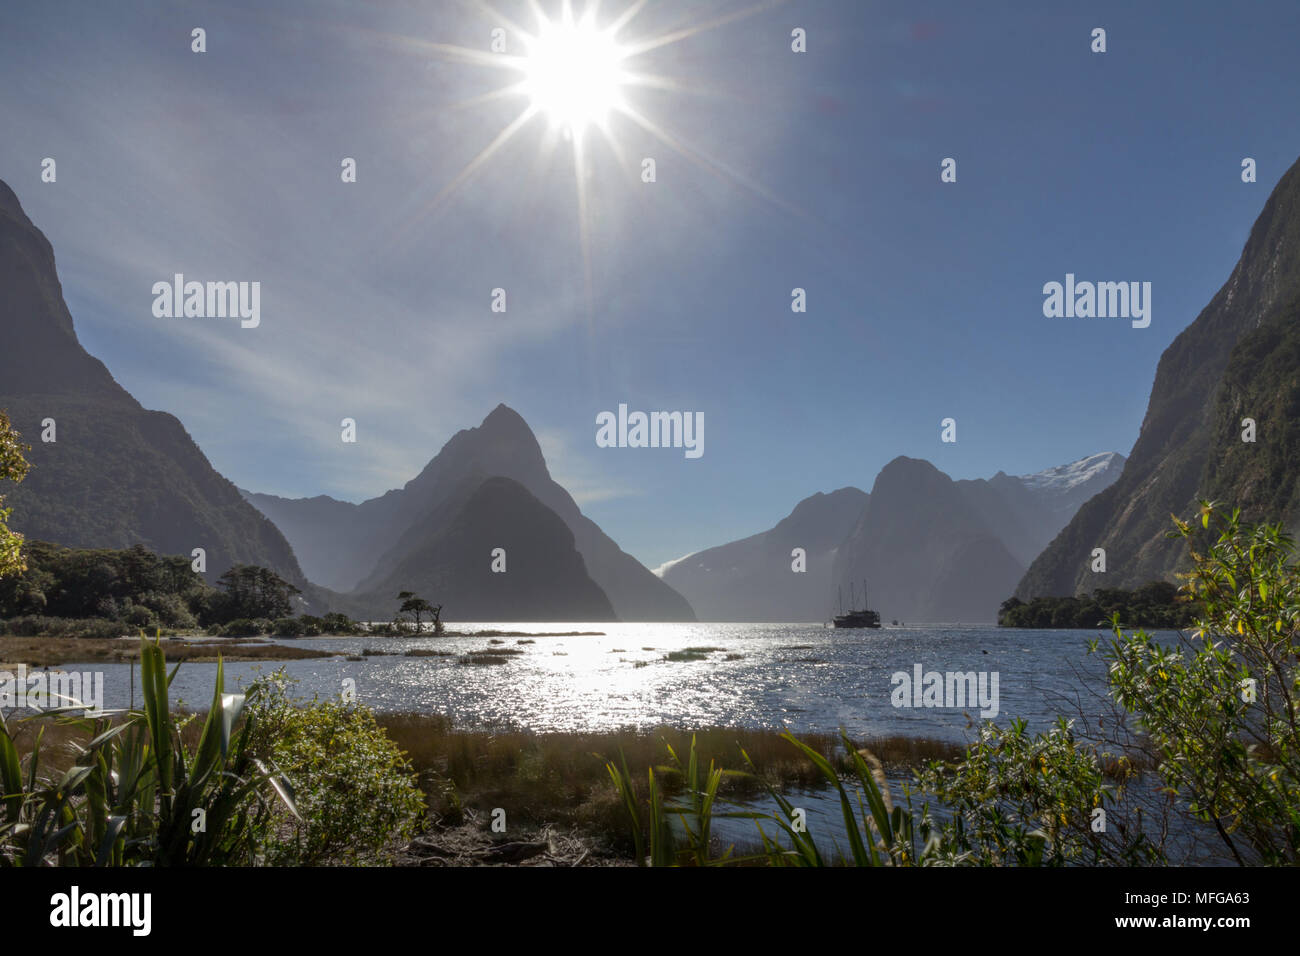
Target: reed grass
562	777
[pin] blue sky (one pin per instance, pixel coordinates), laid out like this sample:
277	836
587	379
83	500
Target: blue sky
822	172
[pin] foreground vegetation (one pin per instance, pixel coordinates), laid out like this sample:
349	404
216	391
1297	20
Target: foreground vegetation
258	781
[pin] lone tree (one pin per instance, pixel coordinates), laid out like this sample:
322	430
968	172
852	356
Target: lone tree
417	607
13	467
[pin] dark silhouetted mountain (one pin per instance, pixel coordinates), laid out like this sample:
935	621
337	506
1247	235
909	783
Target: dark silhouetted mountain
449	561
925	551
1238	359
117	474
342	544
753	579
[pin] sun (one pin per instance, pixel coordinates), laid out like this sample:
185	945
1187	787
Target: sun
573	73
580	78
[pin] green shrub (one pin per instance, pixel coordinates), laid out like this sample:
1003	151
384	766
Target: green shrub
244	627
1222	709
336	623
31	625
1021	800
356	794
140	616
289	627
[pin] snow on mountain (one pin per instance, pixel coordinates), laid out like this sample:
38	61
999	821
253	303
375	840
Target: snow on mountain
663	568
1067	477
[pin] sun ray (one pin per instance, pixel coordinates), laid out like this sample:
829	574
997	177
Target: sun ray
509	24
484	155
654	43
709	164
620	155
584	233
654	81
626	17
461	54
505	92
464	175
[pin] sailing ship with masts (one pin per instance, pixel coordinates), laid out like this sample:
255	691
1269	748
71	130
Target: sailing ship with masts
856	618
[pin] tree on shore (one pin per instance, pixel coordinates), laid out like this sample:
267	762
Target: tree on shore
417	607
13	467
252	592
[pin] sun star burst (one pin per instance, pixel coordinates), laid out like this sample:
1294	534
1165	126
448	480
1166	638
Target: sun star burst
573	73
577	74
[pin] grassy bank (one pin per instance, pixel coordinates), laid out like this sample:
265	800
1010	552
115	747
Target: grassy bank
56	651
560	779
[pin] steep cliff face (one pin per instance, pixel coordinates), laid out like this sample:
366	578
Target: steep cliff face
1237	357
117	473
1262	384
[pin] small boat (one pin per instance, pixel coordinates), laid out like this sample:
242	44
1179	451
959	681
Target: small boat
854	618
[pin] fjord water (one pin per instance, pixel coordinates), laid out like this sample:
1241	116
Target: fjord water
806	677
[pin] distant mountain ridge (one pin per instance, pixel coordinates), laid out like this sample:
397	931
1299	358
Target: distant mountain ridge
1028	511
356	546
117	474
1239	359
751	579
929	548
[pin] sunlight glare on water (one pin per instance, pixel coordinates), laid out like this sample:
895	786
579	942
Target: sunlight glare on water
805	677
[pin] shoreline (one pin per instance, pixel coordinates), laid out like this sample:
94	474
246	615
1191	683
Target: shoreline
45	652
200	648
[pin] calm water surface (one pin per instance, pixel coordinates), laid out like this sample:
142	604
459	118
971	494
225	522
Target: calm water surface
805	677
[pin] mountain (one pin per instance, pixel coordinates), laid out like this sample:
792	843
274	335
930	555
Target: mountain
319	527
925	550
450	561
116	474
957	569
1028	511
347	546
1240	358
752	579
